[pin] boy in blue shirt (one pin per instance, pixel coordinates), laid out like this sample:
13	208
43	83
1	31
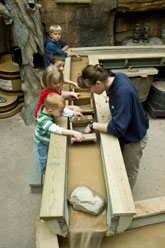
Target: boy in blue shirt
54	44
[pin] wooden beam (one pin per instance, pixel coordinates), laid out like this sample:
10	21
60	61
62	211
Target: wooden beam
88	137
121	57
129	55
43	237
81	119
119	48
137	72
150	207
148	212
73	1
54	199
35	175
150	220
123	223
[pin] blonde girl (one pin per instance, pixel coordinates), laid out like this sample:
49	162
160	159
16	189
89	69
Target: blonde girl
52	81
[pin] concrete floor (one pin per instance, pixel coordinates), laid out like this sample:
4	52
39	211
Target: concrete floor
19	208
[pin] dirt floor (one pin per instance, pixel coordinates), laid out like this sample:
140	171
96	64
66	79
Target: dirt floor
19	208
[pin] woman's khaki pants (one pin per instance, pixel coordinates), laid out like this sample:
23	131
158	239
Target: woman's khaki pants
132	154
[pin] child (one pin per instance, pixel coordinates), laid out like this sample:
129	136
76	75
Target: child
54	106
58	60
52	81
55	44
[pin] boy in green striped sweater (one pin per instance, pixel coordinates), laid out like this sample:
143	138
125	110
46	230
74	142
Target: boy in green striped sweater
54	106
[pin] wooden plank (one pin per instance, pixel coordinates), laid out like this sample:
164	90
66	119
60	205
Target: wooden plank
148	220
35	175
137	72
81	119
73	1
155	47
88	137
119	193
123	223
53	197
43	237
119	189
54	201
79	124
150	207
124	55
124	52
113	49
67	68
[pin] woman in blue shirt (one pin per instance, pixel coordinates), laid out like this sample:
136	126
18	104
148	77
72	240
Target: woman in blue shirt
129	123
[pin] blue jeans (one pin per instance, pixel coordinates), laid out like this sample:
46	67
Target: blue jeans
42	154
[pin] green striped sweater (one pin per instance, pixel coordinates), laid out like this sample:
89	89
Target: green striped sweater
46	125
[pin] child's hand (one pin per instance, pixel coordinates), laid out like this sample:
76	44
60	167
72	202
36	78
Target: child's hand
75	95
65	48
74	108
72	54
78	113
78	136
87	129
75	85
78	56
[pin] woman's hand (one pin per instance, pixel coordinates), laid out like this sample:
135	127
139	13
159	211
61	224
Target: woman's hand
87	129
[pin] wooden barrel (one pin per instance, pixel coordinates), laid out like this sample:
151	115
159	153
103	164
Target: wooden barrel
143	86
10	79
157	96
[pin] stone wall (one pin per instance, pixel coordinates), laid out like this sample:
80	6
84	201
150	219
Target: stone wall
101	22
83	24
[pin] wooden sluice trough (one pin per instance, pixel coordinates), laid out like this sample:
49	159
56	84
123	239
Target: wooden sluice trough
99	166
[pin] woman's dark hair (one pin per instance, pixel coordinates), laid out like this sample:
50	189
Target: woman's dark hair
91	74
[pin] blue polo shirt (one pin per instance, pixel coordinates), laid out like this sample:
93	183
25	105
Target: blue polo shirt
53	47
129	121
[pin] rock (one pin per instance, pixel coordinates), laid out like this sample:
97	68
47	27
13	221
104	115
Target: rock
84	199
